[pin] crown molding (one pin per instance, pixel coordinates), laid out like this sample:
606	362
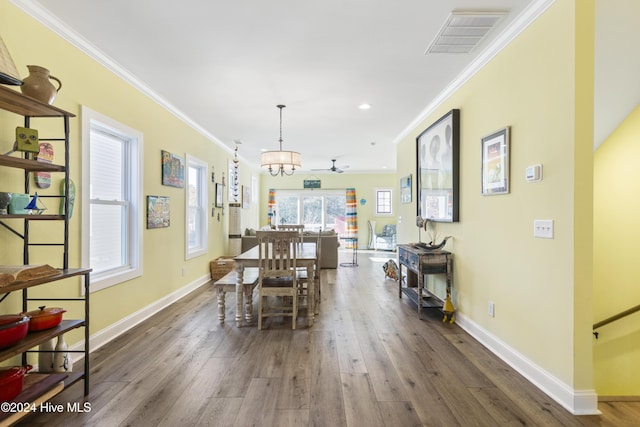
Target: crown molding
526	18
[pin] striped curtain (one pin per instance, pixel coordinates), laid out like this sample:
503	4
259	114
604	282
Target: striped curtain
271	204
352	219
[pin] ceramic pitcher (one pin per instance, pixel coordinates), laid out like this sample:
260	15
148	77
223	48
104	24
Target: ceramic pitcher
38	84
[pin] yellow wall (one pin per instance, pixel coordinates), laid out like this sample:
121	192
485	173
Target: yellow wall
365	185
532	282
85	82
616	268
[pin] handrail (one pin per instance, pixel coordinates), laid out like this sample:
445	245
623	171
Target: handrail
614	318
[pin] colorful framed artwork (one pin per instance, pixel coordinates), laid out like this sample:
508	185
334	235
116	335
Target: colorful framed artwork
172	170
405	189
495	163
158	211
219	195
438	158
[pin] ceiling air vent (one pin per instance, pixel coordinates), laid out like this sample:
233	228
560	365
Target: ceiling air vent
462	31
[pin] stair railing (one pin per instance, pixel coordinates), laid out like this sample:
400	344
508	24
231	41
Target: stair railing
614	318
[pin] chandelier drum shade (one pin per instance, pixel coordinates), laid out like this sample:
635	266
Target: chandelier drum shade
281	162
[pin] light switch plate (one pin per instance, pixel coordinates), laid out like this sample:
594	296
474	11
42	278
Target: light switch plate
543	228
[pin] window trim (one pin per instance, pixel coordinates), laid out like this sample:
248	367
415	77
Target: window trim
202	168
377	209
91	118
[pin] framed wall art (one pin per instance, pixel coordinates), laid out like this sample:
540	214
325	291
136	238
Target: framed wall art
438	158
158	211
219	195
172	170
495	162
405	189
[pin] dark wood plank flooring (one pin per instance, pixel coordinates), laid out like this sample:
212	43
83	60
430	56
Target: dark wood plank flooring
367	361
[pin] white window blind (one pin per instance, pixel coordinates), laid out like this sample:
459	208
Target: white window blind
109	202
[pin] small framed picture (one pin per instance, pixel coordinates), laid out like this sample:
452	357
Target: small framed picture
158	211
405	189
219	195
172	170
495	162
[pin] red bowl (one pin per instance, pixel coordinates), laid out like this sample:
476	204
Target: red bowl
13	328
45	318
11	381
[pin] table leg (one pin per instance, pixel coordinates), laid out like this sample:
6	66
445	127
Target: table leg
248	315
221	301
420	285
239	293
316	295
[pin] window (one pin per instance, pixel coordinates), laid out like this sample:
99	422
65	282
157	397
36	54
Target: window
112	230
316	210
383	202
196	208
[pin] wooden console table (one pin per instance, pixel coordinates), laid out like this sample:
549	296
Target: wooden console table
418	262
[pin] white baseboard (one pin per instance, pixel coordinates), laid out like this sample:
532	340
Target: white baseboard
118	328
578	402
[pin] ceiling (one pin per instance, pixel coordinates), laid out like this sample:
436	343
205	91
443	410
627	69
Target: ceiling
223	66
616	83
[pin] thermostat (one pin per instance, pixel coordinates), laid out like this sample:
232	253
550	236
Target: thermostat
534	173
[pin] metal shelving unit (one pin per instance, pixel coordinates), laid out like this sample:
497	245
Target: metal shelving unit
43	386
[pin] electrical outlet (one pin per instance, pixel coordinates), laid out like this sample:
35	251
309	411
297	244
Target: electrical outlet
183	272
491	307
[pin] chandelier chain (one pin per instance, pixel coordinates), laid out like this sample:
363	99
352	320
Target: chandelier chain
281	107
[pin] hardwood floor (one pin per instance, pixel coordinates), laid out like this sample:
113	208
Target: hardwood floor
367	361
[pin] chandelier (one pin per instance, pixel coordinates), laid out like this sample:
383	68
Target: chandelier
281	162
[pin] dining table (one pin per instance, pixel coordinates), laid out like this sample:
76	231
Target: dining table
305	258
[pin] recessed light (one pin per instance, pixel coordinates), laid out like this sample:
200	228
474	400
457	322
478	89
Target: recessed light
364	106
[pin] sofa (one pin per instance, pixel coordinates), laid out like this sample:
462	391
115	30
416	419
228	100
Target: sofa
329	244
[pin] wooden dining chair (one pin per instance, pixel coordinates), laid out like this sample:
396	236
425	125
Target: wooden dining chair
303	277
277	274
299	228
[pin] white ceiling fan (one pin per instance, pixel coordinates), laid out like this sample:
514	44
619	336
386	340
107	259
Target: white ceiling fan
333	167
